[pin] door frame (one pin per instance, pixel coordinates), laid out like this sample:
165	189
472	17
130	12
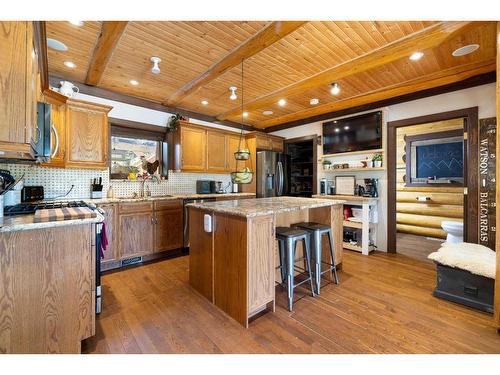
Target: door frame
471	182
314	139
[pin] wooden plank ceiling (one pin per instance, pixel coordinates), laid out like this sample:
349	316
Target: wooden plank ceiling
295	61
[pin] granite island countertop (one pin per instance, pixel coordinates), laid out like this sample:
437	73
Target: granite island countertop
265	206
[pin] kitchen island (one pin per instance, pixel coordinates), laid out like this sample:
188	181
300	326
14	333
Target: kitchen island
232	262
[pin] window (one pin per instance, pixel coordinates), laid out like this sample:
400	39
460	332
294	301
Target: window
129	156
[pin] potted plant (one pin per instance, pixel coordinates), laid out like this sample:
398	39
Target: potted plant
173	122
377	160
327	165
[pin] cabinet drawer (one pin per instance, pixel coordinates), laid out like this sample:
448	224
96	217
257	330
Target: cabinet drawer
168	204
126	208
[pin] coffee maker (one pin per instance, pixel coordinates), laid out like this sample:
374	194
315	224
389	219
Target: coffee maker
371	188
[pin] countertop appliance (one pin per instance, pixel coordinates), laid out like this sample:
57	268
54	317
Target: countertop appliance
186	217
273	174
216	187
203	186
322	187
371	189
32	194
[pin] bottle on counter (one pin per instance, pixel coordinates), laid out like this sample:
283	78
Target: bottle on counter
111	192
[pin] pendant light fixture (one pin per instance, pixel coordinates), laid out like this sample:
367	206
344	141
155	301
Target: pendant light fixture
244	174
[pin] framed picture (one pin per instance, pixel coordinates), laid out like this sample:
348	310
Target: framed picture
345	185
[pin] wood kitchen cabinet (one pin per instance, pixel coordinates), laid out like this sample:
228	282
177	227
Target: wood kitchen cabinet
136	234
216	151
232	145
18	91
87	135
194	149
168	225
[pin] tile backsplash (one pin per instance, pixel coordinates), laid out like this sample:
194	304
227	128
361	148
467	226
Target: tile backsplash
58	181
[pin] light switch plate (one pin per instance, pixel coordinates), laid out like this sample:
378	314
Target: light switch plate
207	223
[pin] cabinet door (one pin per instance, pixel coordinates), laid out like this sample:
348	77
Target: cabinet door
216	151
232	145
169	229
263	142
112	251
86	135
136	234
13	36
32	132
194	155
58	137
277	144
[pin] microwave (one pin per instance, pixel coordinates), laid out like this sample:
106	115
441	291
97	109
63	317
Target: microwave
41	138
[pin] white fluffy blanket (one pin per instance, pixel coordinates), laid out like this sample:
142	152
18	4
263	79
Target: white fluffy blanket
477	259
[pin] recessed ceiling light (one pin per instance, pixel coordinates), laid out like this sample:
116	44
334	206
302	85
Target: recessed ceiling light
465	50
70	64
133	82
76	23
233	95
204	102
57	45
282	102
416	56
337	130
267	113
245	114
346	127
335	88
314	101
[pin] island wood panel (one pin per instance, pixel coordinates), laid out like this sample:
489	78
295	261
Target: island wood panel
497	240
201	255
48	290
452	198
333	216
231	266
261	246
216	152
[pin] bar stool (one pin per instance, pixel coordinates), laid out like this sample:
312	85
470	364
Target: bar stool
287	245
317	231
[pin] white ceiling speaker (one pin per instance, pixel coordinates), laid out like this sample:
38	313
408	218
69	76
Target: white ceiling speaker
56	45
267	113
465	50
233	95
155	69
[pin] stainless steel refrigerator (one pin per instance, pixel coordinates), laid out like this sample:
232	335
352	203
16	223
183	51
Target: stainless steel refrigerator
273	174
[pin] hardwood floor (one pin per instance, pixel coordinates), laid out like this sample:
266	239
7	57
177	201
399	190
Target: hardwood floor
382	305
416	247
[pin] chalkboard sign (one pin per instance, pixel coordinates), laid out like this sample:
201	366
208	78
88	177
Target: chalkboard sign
436	158
440	160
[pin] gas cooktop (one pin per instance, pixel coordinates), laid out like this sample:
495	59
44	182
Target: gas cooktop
30	208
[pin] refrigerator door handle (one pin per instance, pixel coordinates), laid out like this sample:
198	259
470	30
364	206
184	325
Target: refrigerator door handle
281	178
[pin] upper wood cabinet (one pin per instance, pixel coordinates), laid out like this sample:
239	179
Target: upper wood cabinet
193	142
18	97
87	135
232	145
216	151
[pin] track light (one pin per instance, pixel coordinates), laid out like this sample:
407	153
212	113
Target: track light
335	88
155	69
233	95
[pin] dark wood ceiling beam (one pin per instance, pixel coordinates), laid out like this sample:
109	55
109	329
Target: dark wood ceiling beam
111	32
258	42
478	80
113	95
429	37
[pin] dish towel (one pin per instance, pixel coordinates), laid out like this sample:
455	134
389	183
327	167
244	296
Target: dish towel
104	240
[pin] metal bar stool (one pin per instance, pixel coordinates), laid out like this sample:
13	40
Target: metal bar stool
287	245
317	231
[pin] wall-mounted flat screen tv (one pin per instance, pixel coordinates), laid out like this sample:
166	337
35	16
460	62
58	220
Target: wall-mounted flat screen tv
357	133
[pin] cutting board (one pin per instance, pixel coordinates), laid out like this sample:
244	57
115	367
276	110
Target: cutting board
56	214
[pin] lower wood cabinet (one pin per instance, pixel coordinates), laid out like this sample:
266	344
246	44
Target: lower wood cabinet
136	234
142	228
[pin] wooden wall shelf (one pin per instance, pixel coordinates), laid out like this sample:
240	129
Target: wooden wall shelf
354	169
368	152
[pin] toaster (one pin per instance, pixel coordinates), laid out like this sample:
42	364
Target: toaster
32	194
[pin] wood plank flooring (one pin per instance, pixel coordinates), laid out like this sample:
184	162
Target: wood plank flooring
382	305
416	247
